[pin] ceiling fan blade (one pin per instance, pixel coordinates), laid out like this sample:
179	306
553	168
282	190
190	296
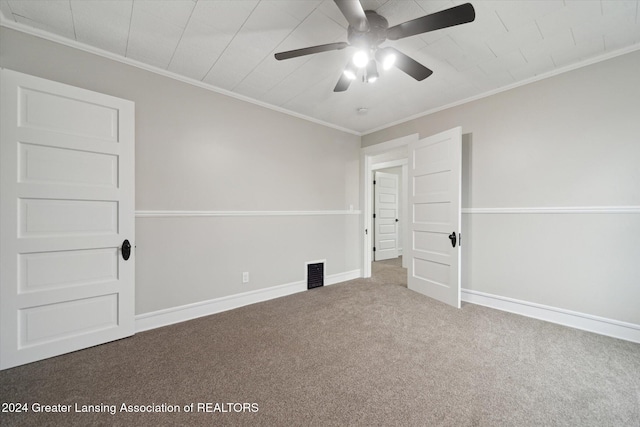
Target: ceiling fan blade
353	11
343	84
443	19
405	63
310	50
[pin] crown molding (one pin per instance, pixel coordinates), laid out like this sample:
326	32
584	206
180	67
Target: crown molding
4	22
543	76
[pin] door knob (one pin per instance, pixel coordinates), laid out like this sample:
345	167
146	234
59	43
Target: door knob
126	250
452	237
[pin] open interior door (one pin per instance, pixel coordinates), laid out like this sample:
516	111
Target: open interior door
66	219
435	219
386	216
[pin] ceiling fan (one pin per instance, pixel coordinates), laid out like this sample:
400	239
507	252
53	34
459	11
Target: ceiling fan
367	31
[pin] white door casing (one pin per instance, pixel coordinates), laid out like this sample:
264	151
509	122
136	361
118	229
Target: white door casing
434	210
67	205
386	219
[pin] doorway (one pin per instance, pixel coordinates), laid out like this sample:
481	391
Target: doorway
387	208
390	154
432	250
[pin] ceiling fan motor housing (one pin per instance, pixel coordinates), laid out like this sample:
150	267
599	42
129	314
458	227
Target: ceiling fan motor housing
374	36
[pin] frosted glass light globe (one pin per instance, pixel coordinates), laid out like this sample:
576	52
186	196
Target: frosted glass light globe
349	74
360	59
389	60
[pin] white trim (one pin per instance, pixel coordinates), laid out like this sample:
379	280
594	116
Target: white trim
390	164
110	55
342	277
556	210
572	319
392	144
170	316
172	214
552	73
405	214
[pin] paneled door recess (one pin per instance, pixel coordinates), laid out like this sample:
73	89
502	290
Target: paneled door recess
67	219
434	203
386	216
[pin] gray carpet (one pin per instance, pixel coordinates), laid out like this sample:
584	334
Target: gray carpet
364	352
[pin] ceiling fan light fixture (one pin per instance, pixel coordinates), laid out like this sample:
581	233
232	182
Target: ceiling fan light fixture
388	61
360	58
367	30
372	71
350	72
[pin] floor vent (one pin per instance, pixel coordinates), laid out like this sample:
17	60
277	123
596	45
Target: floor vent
315	275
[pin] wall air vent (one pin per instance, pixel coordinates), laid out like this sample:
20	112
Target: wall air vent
315	275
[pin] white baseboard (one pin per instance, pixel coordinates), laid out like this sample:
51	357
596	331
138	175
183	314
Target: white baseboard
573	319
586	322
169	316
343	277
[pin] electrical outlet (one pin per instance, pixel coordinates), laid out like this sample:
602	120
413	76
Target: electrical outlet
245	277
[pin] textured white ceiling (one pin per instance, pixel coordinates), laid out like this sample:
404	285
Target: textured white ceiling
229	44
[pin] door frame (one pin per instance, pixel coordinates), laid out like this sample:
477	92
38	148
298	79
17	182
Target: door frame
366	161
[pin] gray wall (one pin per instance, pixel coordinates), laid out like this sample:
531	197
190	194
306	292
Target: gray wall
572	140
200	150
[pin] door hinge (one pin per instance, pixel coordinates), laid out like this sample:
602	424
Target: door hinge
374	216
374	249
374	182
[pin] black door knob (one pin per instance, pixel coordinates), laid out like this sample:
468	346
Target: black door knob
126	250
453	239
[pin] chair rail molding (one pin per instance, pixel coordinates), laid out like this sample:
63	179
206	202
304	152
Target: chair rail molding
180	213
556	210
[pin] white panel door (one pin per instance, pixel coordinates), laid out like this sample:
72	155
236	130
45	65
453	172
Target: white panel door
435	220
386	219
67	183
